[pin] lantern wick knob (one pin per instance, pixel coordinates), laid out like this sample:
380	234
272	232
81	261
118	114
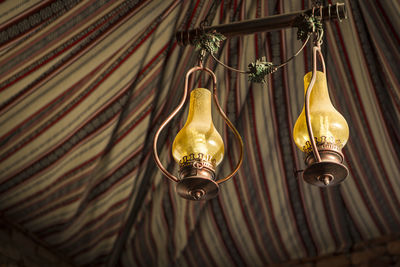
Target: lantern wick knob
326	179
197	194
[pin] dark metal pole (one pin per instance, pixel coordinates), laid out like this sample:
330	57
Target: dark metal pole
271	23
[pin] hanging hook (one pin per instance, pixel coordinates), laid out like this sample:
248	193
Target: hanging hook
338	13
200	32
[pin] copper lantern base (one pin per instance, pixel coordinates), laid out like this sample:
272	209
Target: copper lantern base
197	181
197	188
330	171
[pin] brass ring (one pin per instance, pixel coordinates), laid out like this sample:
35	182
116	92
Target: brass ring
337	12
329	11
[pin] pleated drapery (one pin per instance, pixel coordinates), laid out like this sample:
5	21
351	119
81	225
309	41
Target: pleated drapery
85	84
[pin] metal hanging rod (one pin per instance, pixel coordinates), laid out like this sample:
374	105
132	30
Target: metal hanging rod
267	24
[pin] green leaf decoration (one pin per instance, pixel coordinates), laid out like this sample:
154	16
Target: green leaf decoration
306	25
260	69
209	42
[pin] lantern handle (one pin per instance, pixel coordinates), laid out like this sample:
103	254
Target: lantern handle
316	49
231	126
173	114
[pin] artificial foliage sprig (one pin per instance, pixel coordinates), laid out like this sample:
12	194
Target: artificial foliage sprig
306	25
209	42
260	69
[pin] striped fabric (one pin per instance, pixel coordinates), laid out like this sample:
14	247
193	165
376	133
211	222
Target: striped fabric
85	84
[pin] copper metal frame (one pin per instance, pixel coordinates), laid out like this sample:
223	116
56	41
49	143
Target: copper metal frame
198	186
316	49
321	171
324	163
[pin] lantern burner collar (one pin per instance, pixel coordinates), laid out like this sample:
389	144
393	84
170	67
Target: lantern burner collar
329	171
197	180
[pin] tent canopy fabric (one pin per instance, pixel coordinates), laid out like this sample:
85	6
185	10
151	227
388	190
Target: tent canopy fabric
84	85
